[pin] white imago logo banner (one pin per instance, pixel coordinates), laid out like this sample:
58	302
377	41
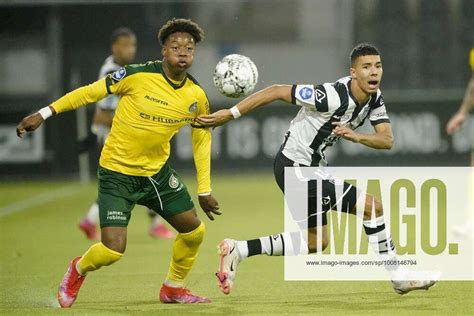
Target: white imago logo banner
427	211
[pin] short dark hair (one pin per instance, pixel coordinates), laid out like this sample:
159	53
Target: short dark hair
363	49
121	32
180	25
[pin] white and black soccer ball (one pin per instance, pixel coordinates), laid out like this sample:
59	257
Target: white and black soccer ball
235	76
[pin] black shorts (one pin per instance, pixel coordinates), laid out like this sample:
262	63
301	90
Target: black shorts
328	200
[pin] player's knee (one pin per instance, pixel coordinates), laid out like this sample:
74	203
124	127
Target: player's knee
194	237
372	205
378	209
115	243
110	256
313	246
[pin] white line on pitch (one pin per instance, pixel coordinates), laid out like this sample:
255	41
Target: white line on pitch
39	199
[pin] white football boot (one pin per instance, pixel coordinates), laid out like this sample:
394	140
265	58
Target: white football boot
229	259
414	280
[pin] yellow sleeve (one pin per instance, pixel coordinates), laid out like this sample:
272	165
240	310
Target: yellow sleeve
471	59
119	81
81	96
202	140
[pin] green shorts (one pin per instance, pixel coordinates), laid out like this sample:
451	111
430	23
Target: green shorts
164	192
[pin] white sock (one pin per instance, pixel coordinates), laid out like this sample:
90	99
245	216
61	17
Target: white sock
154	217
382	244
93	213
282	244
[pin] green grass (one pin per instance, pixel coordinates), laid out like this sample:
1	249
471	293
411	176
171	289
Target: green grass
37	244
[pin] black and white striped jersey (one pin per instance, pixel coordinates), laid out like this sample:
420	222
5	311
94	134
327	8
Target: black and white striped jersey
110	102
310	132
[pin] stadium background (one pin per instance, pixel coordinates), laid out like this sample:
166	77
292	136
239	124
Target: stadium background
50	47
47	50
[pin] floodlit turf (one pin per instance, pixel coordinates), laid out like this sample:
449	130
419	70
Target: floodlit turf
36	245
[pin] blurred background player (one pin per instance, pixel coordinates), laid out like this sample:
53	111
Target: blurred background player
453	125
123	47
329	111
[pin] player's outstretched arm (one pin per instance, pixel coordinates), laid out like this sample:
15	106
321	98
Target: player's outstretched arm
33	121
467	105
381	139
71	101
260	98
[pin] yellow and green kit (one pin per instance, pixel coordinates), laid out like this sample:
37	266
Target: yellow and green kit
151	110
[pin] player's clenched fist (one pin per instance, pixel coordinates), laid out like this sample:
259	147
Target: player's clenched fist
29	124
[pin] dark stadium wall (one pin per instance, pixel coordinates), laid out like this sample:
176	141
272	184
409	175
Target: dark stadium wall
412	58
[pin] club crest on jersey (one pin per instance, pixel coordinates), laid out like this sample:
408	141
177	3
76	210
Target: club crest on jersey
320	95
119	74
173	182
193	107
306	93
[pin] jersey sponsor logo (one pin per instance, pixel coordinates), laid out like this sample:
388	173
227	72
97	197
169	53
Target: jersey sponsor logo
119	74
193	107
320	95
156	100
346	117
173	182
166	120
378	115
116	215
306	93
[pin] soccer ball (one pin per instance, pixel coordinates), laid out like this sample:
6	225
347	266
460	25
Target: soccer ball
235	76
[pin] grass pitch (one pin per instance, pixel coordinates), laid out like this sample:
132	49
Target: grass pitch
39	237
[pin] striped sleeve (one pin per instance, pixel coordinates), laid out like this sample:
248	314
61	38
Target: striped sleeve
314	97
378	113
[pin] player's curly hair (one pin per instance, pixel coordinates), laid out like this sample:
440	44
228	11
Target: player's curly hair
180	25
363	49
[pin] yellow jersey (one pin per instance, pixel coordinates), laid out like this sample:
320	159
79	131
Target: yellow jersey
151	110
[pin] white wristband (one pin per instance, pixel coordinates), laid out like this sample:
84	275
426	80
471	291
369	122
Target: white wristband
235	112
204	194
45	112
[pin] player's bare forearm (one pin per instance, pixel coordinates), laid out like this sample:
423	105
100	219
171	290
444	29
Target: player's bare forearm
258	99
381	139
468	101
264	97
458	119
376	141
31	123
